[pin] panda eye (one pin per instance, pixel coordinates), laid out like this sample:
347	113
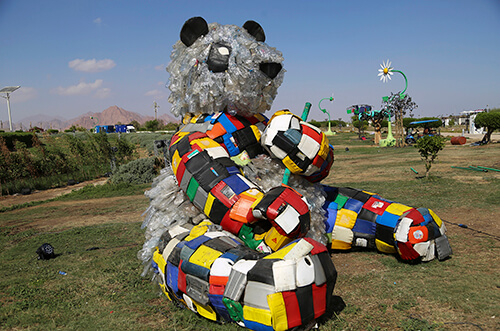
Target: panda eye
223	51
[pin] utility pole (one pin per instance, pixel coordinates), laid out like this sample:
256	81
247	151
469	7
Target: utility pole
8	90
156	106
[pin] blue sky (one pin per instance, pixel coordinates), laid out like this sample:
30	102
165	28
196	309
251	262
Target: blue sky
72	57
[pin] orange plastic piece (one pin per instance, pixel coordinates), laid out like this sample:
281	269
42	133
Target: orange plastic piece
218	280
242	209
217	131
418	234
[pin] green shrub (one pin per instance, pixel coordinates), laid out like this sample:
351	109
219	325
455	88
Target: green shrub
11	138
125	151
429	147
146	140
136	172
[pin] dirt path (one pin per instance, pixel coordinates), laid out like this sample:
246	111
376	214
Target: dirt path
60	215
16	199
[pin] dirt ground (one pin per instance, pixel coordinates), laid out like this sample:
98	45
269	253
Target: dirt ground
76	213
16	199
83	213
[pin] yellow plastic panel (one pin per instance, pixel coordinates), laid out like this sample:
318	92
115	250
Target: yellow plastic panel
397	209
204	256
258	315
384	248
278	311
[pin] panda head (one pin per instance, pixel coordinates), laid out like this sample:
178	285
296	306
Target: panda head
223	67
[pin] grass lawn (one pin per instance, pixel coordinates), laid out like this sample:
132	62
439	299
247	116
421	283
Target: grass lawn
97	233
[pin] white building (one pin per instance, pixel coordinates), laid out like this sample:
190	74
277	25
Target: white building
470	116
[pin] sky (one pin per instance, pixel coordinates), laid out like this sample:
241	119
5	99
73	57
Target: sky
74	57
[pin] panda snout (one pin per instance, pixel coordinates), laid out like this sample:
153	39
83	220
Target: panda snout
270	69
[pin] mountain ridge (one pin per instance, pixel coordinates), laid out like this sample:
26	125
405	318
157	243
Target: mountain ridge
109	116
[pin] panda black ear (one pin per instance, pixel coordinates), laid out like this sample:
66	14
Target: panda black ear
193	29
255	30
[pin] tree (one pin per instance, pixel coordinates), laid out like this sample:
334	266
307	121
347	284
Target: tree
490	121
125	151
171	126
6	165
360	125
153	125
429	147
136	125
377	123
74	128
399	105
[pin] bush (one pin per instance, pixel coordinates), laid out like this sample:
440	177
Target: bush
429	147
125	151
324	124
135	172
11	137
153	125
146	141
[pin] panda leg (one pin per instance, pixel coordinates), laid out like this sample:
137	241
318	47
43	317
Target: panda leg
356	218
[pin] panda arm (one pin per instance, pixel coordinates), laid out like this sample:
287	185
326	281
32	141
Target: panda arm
300	146
212	181
216	186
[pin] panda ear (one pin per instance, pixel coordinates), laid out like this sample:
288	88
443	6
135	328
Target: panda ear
255	30
194	28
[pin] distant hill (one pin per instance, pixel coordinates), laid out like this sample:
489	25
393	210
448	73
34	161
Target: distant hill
39	120
109	116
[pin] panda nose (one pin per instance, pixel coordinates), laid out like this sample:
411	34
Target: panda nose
218	57
271	70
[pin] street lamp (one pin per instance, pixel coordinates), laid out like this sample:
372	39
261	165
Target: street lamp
8	90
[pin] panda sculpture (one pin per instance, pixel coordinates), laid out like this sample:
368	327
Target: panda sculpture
224	236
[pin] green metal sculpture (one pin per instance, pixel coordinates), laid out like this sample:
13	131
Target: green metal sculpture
385	74
329	132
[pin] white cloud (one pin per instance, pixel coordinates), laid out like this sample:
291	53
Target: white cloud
161	84
102	93
91	65
81	88
155	94
160	67
98	21
24	94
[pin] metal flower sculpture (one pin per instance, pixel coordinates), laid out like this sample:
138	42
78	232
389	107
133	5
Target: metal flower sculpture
386	71
394	105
